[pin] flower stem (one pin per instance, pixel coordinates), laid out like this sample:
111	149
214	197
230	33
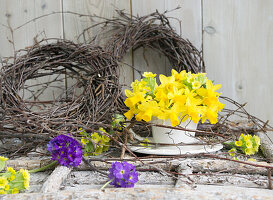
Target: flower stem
43	168
106	184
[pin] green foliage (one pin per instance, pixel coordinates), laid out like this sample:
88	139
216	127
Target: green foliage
246	144
11	182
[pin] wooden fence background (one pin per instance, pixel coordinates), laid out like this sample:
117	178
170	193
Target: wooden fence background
236	37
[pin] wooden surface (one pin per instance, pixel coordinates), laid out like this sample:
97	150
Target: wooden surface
206	192
13	14
236	37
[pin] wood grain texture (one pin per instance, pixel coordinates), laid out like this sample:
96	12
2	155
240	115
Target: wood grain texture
188	18
238	38
74	25
56	178
13	14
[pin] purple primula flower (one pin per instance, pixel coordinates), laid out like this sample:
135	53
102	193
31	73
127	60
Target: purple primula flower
66	150
123	174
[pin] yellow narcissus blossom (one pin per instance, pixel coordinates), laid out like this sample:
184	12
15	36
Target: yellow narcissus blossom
132	101
147	109
129	114
179	76
178	97
149	75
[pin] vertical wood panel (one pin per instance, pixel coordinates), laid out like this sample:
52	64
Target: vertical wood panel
74	25
191	23
238	51
146	59
17	12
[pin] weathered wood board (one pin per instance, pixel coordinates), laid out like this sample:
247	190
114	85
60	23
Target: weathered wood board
238	49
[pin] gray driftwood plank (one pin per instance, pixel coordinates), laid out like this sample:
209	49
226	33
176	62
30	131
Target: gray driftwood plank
54	181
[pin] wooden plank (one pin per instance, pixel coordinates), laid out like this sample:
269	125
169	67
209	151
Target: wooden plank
206	192
238	37
56	178
146	59
14	13
188	17
74	25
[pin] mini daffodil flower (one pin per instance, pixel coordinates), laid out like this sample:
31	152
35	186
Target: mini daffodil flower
180	96
149	75
196	85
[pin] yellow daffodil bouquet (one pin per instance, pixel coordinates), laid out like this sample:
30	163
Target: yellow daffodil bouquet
179	97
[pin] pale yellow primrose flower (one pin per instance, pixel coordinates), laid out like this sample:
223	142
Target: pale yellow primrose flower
11	170
2	158
3	182
14	191
26	176
3	192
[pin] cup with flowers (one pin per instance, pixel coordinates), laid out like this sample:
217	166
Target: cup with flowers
182	99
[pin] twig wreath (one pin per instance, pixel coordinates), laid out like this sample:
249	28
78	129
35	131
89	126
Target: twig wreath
153	31
92	95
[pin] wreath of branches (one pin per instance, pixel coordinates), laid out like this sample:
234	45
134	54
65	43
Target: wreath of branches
91	96
153	31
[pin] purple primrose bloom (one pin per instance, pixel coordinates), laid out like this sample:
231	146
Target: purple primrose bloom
123	174
66	150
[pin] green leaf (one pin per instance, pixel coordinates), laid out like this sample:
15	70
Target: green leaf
89	147
151	82
2	165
